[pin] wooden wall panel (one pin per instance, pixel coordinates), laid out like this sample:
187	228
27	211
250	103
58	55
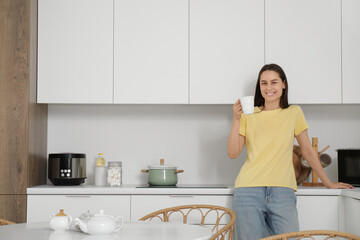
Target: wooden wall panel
37	157
23	123
12	207
14	95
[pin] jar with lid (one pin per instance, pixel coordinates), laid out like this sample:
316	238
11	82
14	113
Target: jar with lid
114	174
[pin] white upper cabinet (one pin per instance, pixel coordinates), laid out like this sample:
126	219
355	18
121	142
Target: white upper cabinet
75	51
226	49
304	37
351	50
195	51
150	51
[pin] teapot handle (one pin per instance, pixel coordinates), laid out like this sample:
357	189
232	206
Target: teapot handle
120	222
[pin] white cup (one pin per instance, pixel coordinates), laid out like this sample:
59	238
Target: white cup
247	104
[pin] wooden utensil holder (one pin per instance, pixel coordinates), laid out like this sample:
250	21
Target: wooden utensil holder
315	179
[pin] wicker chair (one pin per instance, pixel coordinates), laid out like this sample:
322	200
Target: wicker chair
326	234
187	213
5	222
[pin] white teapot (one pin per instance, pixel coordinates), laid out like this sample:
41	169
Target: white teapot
84	217
60	222
100	224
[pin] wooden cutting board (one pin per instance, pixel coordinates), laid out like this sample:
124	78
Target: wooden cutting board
301	172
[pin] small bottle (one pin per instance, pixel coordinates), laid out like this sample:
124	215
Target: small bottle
100	171
114	174
100	161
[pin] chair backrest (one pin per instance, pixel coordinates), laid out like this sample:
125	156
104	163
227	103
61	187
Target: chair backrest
5	222
311	234
223	219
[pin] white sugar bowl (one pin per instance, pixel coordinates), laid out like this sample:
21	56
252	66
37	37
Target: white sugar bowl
60	222
100	224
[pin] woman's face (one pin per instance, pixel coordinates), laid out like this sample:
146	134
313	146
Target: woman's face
271	86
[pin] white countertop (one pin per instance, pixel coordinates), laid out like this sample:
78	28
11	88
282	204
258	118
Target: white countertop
353	193
190	189
128	189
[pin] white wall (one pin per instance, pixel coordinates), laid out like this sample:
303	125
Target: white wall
190	137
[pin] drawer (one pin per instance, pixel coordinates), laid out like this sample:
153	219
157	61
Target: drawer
41	207
142	205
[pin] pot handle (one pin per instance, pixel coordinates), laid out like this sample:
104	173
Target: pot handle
144	170
179	171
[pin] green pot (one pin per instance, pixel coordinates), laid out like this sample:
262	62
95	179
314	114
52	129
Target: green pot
162	175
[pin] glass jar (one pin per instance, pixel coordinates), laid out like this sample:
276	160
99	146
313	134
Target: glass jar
114	174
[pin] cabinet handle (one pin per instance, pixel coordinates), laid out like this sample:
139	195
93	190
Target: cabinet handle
81	196
182	196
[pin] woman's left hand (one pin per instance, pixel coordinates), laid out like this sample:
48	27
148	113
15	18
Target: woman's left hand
340	185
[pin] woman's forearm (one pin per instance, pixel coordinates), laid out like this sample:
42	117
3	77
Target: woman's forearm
236	141
312	158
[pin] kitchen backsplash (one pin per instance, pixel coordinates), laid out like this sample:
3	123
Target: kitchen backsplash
192	137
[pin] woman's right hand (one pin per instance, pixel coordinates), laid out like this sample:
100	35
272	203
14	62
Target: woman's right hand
237	109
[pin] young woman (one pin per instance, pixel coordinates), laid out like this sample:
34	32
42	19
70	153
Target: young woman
264	198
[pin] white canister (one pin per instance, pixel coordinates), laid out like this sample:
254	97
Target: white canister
114	174
100	176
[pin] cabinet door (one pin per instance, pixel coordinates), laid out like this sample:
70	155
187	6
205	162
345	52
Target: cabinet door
151	51
41	207
226	49
75	51
318	212
352	215
142	205
351	50
304	37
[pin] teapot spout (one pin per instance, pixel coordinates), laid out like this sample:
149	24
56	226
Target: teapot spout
82	225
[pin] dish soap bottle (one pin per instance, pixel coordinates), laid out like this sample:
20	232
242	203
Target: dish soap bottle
100	171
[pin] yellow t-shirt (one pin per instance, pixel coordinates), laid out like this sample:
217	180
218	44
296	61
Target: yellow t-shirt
269	144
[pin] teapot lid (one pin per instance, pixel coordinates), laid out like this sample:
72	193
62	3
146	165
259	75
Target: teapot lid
86	215
61	213
101	215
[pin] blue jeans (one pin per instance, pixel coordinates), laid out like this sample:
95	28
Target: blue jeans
261	209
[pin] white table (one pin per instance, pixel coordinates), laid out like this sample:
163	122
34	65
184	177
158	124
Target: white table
130	231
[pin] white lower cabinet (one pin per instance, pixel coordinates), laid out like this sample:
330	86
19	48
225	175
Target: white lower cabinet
352	215
41	207
315	212
142	205
318	212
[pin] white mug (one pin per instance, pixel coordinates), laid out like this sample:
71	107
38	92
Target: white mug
247	104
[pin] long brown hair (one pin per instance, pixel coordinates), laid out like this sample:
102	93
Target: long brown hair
259	100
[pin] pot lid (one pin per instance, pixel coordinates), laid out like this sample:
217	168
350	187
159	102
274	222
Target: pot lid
162	165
